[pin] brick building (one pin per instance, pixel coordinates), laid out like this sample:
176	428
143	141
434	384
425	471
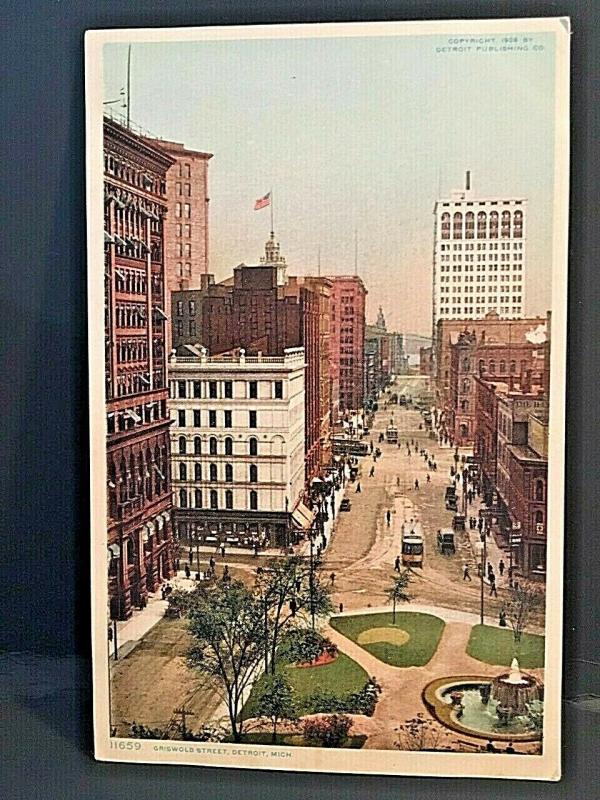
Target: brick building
470	356
348	340
140	538
426	361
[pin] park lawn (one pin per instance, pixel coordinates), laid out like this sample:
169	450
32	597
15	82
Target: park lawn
341	677
424	631
296	740
496	646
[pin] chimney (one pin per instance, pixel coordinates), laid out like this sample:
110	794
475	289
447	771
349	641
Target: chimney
468	181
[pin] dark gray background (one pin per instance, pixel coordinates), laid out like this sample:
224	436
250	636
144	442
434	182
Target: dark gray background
43	480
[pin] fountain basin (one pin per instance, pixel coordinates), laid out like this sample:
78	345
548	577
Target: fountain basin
456	702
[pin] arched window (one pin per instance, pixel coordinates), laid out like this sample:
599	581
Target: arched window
228	473
212	446
469	225
228	446
214	498
182	472
457	226
539	490
481	366
466	386
502	367
253	473
253	500
539	518
481	224
197	471
445	225
198	498
464	405
197	446
466	364
253	446
505	231
183	498
213	472
513	366
494	225
518	224
182	445
492	367
228	499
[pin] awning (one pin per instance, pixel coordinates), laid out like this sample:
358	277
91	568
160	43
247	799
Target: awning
302	516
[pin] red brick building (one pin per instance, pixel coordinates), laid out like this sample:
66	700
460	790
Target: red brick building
472	355
347	347
140	536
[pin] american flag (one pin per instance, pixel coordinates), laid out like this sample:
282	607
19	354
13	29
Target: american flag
263	202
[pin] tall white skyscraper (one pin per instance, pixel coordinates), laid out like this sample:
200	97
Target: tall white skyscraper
479	256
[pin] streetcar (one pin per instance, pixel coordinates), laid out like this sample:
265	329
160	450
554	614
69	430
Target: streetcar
413	546
391	434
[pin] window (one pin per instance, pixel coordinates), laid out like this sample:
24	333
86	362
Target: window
179	327
197	471
278	390
228	473
214	499
212	389
518	224
539	518
182	472
177	209
502	367
228	389
253	446
181	418
539	490
182	445
192	307
253	473
445	225
492	367
212	446
513	366
196	418
253	390
196	388
178	187
183	498
228	499
213	473
197	446
252	419
228	422
494	225
212	419
186	210
457	226
181	392
228	446
187	189
180	309
469	225
253	500
198	498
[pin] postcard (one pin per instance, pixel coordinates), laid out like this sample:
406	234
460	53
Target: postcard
327	333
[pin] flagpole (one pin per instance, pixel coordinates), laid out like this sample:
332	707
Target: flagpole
271	205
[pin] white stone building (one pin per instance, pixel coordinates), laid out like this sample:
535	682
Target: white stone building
237	444
479	256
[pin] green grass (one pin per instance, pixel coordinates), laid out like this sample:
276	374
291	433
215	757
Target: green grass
496	646
341	677
424	631
295	740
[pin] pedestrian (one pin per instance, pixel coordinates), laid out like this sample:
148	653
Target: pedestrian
332	578
416	483
255	548
388	516
502	618
397	480
358	488
501	567
493	590
341	608
490	747
397	564
428	478
222	551
212	563
372	472
225	572
510	748
293	606
490	569
470	496
162	592
324	541
434	466
187	571
466	574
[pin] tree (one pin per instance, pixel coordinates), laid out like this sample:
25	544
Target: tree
397	591
418	733
276	701
524	600
304	645
284	590
226	623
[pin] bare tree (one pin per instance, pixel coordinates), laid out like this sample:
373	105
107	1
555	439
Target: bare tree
525	600
418	733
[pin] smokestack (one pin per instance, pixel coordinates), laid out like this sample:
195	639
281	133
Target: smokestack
468	181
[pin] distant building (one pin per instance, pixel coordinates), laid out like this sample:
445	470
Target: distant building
426	361
238	445
348	340
140	536
479	259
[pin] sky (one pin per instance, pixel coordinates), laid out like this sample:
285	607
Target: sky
353	134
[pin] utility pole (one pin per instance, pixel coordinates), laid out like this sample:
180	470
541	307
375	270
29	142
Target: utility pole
483	566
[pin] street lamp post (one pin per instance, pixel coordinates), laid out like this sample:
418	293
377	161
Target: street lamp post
311	578
483	556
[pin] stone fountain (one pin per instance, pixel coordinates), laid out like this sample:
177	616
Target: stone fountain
514	691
